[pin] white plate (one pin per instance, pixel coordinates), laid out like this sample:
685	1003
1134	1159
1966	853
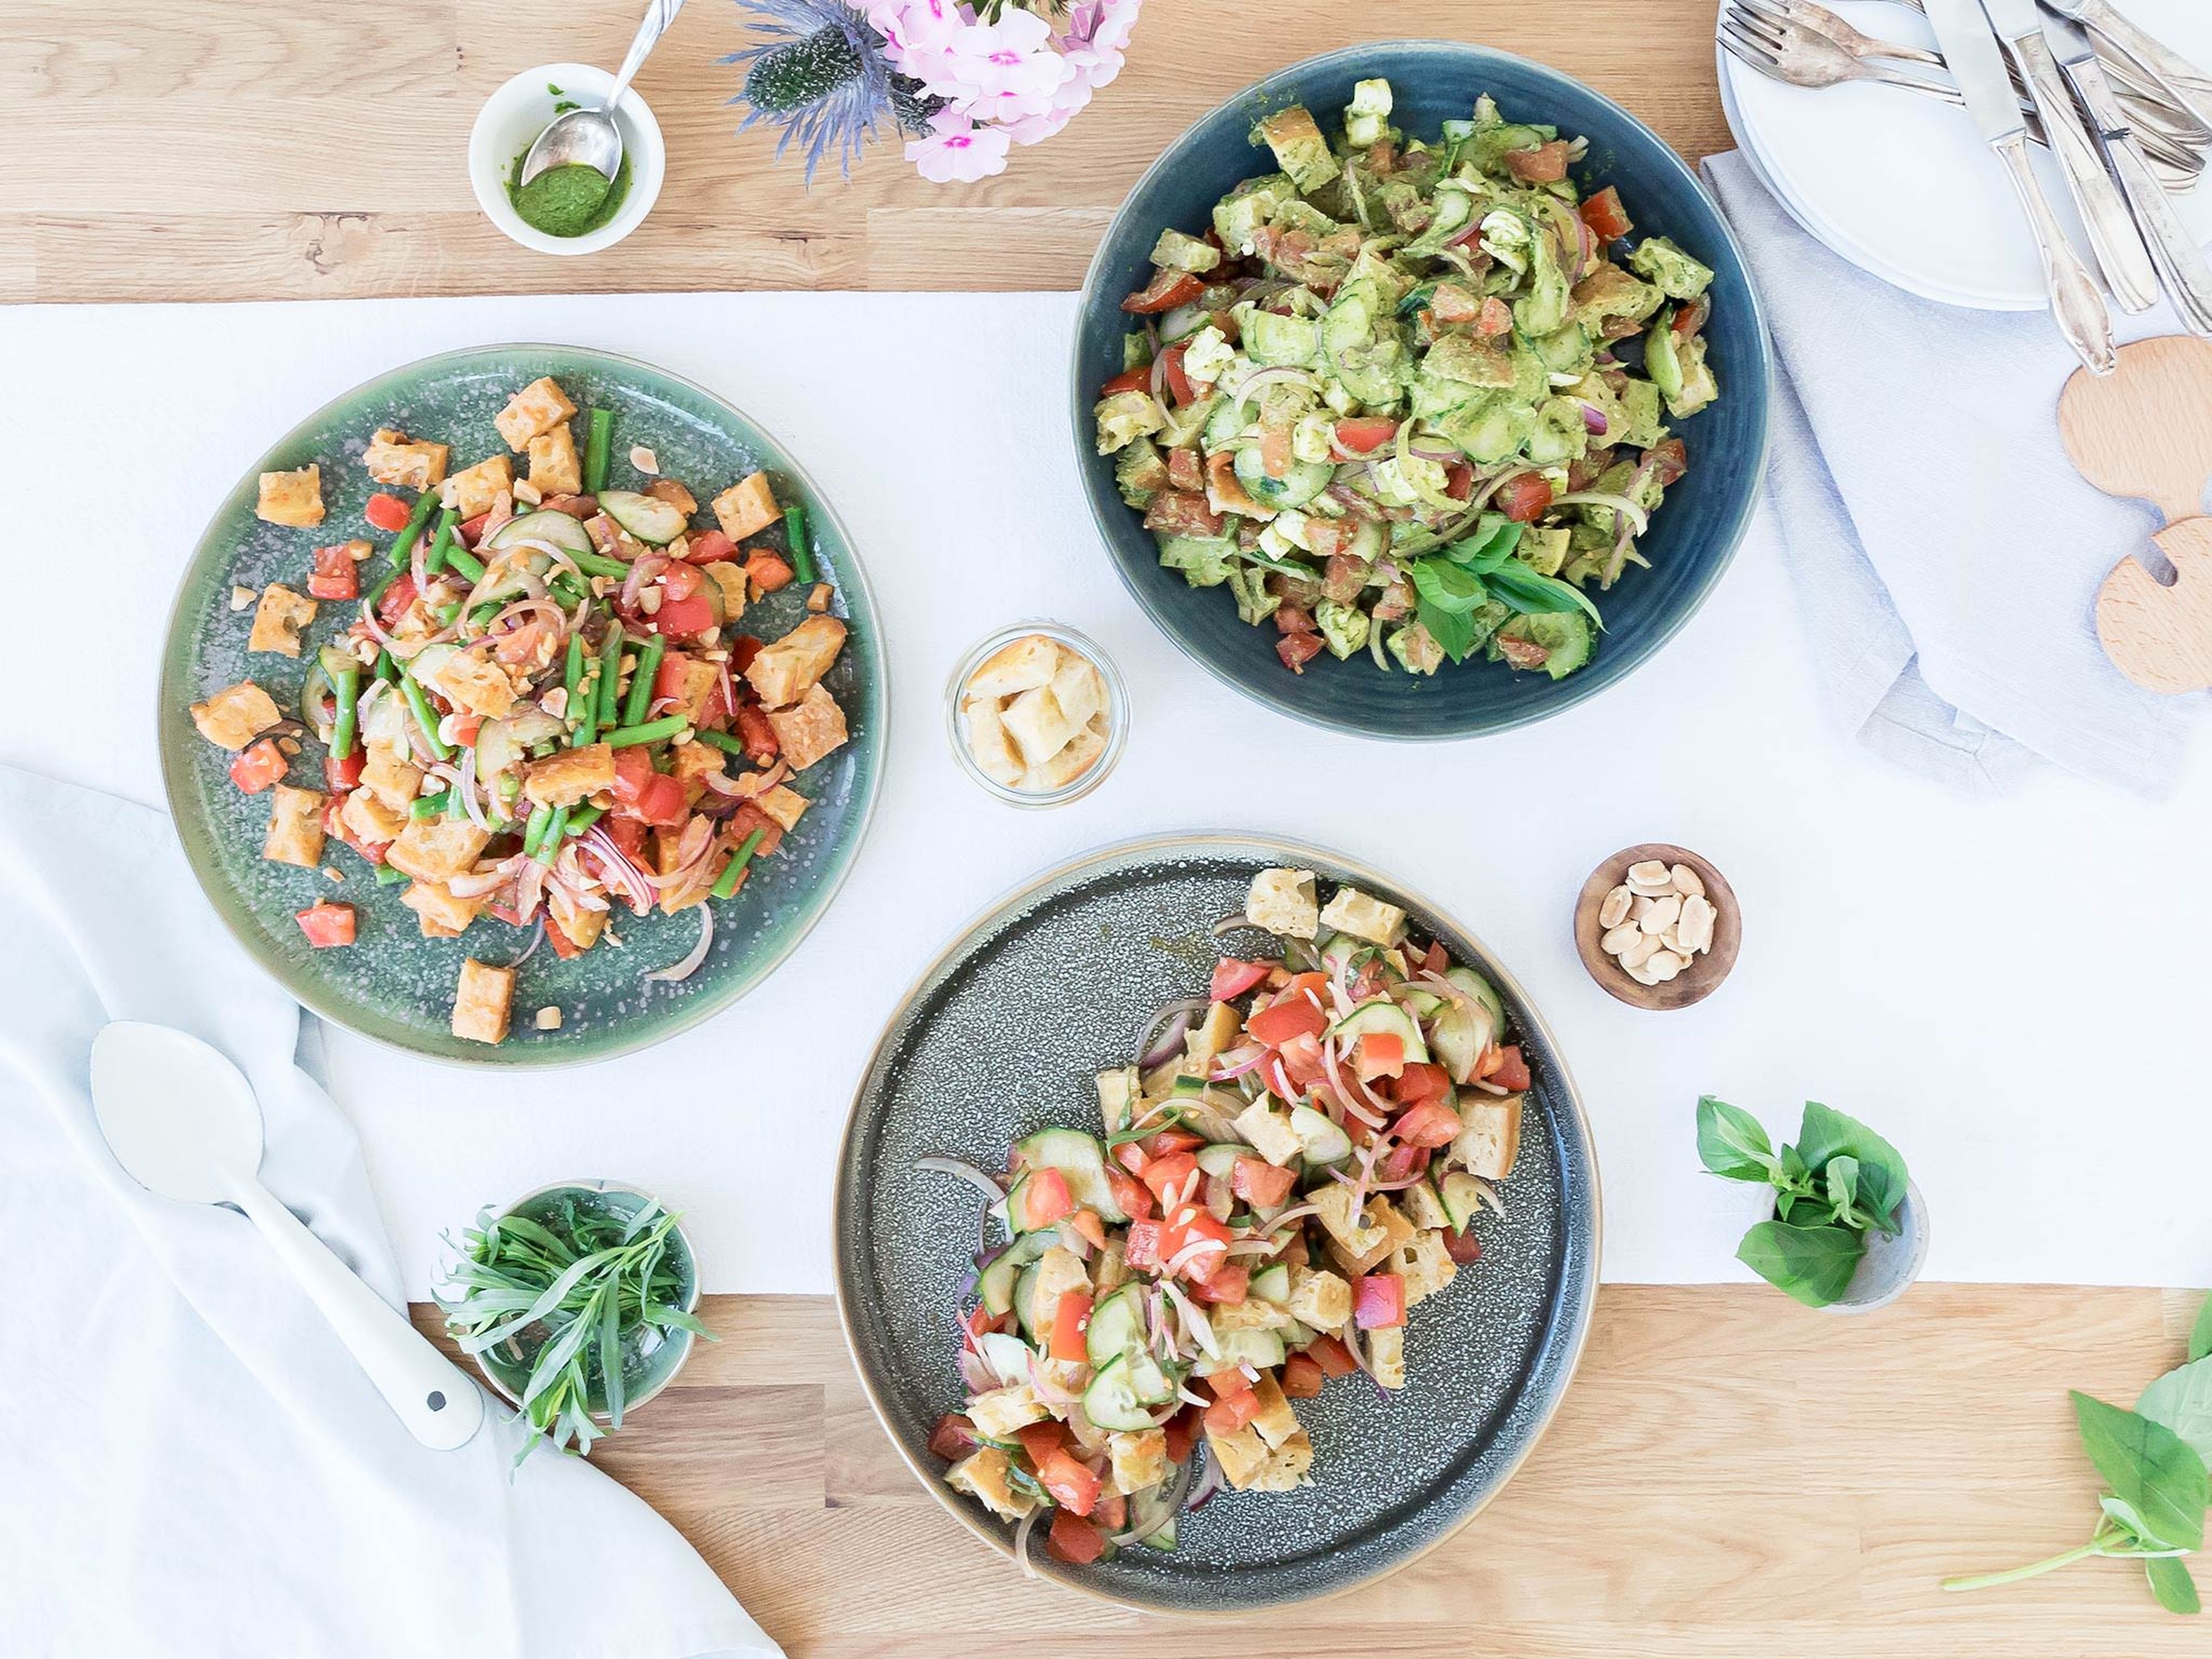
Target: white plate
1901	185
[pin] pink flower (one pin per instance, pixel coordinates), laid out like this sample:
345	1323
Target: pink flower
908	24
1011	59
957	149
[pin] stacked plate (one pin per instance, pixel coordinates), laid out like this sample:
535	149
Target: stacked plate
1901	185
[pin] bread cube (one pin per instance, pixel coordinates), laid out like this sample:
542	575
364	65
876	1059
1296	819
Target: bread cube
983	1474
1354	912
672	492
989	746
538	408
1270	1133
436	849
1286	1465
1423	1207
1424	1265
1382	1217
690	763
1276	1423
1491	1138
235	715
997	1413
474	489
782	671
786	806
1037	725
1252	1314
568	775
1356	1234
729	577
393	457
369	817
1319	1298
1082	752
1386	1353
295	827
394	782
1140	1459
1029	662
278	619
482	1002
1077	688
813	729
554	468
698	682
442	916
291	498
1243	1456
473	685
1282	902
746	508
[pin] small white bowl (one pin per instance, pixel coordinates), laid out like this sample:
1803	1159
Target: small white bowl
509	122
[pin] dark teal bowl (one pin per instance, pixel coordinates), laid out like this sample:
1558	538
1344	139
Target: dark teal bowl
1692	536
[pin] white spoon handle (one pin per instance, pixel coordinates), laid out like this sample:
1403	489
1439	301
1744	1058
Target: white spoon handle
658	14
439	1406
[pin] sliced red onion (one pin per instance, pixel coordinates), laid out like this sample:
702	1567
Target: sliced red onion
1046	1389
537	939
1594	421
685	965
1351	500
1430	450
1208	1483
965	1171
1279	375
478	883
465	781
376	628
1296	1213
1628	509
1176	1015
1236	1062
1021	1543
979	1377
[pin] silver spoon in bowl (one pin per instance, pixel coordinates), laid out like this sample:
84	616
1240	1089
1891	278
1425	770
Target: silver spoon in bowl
589	138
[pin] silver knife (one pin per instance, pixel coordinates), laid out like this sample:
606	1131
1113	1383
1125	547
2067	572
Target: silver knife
1971	51
2181	264
2113	237
2189	86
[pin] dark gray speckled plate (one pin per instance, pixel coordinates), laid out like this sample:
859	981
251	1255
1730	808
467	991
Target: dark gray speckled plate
394	985
1002	1036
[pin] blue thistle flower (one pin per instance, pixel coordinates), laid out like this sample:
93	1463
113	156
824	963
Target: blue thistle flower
822	76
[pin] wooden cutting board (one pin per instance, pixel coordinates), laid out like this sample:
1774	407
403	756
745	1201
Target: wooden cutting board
2145	431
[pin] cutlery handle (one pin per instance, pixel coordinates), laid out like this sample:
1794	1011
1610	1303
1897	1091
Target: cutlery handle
2190	85
2181	264
2075	305
658	14
441	1406
2113	235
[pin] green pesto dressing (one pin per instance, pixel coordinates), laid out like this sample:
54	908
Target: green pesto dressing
573	200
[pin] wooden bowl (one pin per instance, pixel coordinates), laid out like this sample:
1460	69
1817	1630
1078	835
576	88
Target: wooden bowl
1706	971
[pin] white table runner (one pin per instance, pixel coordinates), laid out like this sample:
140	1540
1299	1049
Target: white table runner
2018	993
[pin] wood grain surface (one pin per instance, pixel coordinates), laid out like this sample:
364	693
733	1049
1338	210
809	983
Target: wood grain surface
1732	1476
247	149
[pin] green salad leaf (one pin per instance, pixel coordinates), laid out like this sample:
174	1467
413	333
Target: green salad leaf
2182	1401
2152	1470
1825	1134
1813	1264
1516	584
1731	1142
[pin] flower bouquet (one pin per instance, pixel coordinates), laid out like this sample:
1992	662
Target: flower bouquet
964	83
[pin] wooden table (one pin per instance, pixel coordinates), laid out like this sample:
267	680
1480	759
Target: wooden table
1730	1475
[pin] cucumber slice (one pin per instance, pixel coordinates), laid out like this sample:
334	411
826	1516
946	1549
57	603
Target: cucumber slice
1461	1197
1111	1401
1162	1537
1342	952
559	530
1384	1018
1321	1140
1079	1157
1460	1035
1484	993
645	517
1221	1160
996	1284
1260	1349
1304	480
1117	1326
1224	423
1272	1283
1024	1302
1008	1357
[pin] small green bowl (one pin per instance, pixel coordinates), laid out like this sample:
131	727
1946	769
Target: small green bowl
508	1372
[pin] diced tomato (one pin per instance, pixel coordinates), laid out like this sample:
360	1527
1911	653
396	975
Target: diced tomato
1131	1157
1463	1248
1436	959
1302	1377
1171	371
1608	220
710	547
1141	1247
1403	1163
1130	1194
1173	1174
336	576
1225	1416
1233	978
668	678
1183	1434
1379	1053
1112	1513
1523	496
1514	1073
767	571
1042	1440
1261	1183
1231	1283
1180	1236
1421	1080
397	597
259	766
1378	1300
1138	378
758	733
681	581
628	836
1086	1222
953	1437
1458	480
1297	650
1069	1322
1294	1016
340	775
1222	1385
325	923
1689	319
1073	1540
683	618
1432	1123
576	507
1073	1486
472	530
1045	1199
387	512
1545	164
564	947
648	796
1166	1143
1331	1356
1167	290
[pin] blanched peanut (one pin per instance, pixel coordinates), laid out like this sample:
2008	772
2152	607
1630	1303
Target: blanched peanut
1615	910
1662	914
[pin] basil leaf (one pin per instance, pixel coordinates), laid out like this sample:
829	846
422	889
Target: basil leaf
2200	1338
1496	538
1813	1264
2169	1582
1731	1142
1843	1181
1517	585
1445	585
2149	1467
1453	631
2182	1401
1827	1134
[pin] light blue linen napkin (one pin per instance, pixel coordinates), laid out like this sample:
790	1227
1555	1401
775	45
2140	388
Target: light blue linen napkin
1945	554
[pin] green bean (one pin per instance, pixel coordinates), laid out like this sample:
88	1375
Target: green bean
597	449
721	740
386	670
624	737
411	690
404	548
465	562
442	544
446	613
541	818
483	614
727	883
583	817
599	564
347	684
564	589
555	828
429	806
610	673
794	535
640	702
386	876
572	680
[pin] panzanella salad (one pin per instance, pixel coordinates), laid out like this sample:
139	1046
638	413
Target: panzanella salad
541	701
1389	398
1296	1163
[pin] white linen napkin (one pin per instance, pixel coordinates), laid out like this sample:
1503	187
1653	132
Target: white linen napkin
193	1464
1944	553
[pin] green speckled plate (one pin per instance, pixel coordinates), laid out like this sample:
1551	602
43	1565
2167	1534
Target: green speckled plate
395	986
1002	1036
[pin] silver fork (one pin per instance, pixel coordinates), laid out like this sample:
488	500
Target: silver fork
1801	57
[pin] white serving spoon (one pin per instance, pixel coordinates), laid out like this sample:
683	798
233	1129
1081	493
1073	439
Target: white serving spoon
182	1121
